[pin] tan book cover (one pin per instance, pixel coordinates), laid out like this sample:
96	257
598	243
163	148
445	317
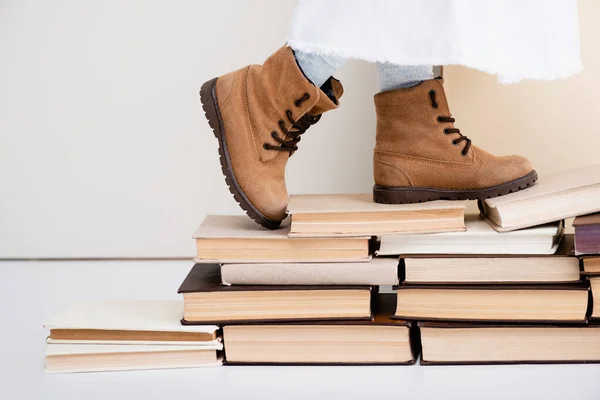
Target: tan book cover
379	271
238	239
559	196
331	215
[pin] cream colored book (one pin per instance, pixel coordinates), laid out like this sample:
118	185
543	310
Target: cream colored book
238	239
379	271
144	322
562	267
479	238
503	303
67	358
511	344
591	265
560	196
332	215
378	341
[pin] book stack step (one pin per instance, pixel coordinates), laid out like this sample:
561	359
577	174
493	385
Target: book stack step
345	281
126	335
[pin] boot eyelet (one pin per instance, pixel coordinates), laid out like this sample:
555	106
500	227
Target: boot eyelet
446	131
454	143
440	119
265	146
297	103
462	153
274	135
434	103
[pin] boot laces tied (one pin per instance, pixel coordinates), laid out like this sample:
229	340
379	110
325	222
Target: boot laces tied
300	126
449	131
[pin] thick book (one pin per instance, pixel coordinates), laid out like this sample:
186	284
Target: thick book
381	341
379	271
566	303
587	234
128	322
444	343
595	285
238	239
479	238
67	358
333	215
206	301
560	196
591	266
562	267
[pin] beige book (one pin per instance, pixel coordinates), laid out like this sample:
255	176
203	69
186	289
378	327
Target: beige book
146	322
379	271
550	303
591	265
381	341
563	195
479	238
562	267
332	215
484	344
67	358
238	239
595	285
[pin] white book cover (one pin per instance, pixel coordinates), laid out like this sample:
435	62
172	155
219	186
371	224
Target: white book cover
379	271
479	238
106	358
128	315
556	197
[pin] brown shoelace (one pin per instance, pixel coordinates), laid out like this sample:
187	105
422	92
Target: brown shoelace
449	131
300	126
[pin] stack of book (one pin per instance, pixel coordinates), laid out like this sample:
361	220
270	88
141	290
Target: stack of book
348	281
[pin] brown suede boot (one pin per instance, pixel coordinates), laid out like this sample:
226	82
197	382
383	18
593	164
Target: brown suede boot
420	156
258	114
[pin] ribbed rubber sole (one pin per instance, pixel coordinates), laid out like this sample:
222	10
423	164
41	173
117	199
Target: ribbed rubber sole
210	105
407	195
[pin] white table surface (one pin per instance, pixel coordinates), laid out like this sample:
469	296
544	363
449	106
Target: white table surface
32	292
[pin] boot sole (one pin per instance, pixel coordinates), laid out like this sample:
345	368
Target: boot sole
210	105
406	195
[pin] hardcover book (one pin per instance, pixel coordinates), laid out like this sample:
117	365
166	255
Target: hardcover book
560	196
587	234
479	238
595	285
332	215
65	358
128	322
562	267
500	303
381	341
444	343
206	301
379	271
238	239
591	266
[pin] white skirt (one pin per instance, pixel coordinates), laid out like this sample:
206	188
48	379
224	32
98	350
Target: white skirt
514	39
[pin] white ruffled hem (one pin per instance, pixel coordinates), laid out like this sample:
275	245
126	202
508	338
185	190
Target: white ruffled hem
504	77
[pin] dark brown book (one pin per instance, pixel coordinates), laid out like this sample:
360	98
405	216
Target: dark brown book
561	267
380	341
449	344
587	234
500	303
206	301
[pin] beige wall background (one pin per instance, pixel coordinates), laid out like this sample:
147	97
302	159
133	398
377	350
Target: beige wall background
104	151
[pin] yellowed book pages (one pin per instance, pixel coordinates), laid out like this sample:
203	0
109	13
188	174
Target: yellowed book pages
357	214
